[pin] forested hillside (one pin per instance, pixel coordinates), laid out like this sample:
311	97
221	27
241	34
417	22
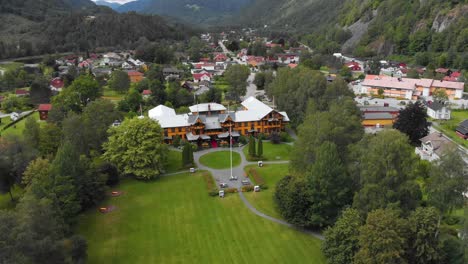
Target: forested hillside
37	27
369	27
193	11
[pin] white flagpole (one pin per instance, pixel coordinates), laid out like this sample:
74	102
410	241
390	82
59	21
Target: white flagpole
230	141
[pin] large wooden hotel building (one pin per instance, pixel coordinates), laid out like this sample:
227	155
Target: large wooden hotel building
211	122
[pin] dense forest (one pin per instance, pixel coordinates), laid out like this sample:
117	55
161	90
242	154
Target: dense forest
191	11
59	26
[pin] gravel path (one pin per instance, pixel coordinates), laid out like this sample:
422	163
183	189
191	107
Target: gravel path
224	175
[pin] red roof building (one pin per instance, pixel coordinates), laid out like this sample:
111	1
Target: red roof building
354	66
44	110
135	76
21	92
56	84
146	92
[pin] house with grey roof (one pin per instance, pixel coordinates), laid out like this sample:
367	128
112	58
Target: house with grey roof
433	146
214	123
438	110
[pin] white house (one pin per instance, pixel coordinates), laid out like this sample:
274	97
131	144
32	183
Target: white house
433	146
438	111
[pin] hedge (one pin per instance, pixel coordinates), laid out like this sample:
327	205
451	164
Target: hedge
247	188
210	184
258	179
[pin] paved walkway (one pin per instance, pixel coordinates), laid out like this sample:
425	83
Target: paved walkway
225	174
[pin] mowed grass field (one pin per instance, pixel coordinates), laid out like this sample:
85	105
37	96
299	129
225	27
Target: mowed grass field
272	151
263	200
220	160
173	220
449	126
18	128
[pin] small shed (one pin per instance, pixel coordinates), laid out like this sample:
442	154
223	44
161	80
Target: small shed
44	110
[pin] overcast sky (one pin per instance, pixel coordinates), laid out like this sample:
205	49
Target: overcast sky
117	1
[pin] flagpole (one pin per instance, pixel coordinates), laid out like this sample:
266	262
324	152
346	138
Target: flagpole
230	139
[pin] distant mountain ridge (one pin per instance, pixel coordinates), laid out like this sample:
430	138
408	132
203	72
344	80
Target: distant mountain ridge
112	5
31	27
192	11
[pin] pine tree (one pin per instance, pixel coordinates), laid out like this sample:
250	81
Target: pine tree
185	155
260	148
252	146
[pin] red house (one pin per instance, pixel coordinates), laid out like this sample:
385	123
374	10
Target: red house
22	92
56	84
44	110
354	66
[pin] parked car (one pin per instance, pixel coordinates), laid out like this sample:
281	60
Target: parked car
223	185
366	102
245	182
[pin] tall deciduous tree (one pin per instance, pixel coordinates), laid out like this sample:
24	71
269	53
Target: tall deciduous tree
237	75
383	239
31	132
38	168
448	183
330	186
40	92
87	88
413	122
98	117
341	240
119	81
387	168
293	199
49	139
425	246
136	147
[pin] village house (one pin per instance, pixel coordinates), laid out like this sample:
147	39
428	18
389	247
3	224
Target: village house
408	88
56	84
433	146
135	76
438	111
44	110
21	92
353	66
211	122
462	129
146	94
379	116
172	73
203	76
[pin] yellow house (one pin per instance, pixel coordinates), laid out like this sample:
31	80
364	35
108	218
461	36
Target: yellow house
212	122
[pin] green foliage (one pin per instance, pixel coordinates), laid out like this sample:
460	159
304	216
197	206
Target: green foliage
341	240
425	246
260	148
187	155
252	151
119	81
131	102
447	182
412	121
386	167
31	132
49	139
236	76
440	95
13	103
40	92
382	239
87	88
136	148
293	200
39	168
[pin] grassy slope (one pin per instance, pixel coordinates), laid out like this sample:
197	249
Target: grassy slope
18	128
271	151
448	127
173	220
220	160
263	200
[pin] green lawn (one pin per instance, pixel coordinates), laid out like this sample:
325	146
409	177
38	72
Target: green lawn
173	220
448	127
220	160
11	66
263	200
111	94
18	128
272	151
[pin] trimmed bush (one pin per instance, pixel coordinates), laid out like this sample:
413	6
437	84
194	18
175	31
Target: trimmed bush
231	190
247	188
210	184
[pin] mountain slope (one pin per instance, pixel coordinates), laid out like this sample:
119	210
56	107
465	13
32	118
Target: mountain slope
192	11
112	5
31	27
376	26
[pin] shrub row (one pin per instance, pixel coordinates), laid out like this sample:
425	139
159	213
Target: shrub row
247	188
231	190
210	184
